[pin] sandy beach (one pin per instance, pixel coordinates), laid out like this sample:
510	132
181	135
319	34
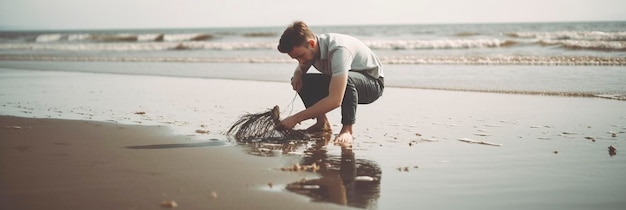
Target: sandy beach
133	144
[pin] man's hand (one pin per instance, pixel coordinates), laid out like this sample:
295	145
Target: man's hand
296	81
287	123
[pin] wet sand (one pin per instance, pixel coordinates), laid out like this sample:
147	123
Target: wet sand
422	148
64	164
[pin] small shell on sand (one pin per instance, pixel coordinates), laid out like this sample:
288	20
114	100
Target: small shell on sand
213	194
200	131
540	126
12	127
169	204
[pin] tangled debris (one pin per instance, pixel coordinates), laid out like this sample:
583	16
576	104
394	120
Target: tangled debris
262	125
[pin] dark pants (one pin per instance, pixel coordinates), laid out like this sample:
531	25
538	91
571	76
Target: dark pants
361	89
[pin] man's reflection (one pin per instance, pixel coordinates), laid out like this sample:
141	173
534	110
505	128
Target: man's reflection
345	180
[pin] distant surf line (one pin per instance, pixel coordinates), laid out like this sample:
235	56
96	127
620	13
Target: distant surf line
412	60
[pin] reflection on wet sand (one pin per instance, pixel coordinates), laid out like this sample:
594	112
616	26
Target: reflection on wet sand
344	180
270	147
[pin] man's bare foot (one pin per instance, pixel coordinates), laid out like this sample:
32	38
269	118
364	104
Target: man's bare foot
345	136
320	126
344	139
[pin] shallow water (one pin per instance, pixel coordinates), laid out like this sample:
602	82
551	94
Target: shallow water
578	81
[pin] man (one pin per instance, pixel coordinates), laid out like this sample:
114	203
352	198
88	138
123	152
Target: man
351	74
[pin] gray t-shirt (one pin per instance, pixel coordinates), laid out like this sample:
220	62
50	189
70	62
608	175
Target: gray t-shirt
341	53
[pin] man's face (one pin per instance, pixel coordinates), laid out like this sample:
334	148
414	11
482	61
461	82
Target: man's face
304	54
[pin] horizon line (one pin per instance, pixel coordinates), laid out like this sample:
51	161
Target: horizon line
21	28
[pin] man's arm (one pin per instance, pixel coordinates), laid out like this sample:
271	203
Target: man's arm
341	60
336	90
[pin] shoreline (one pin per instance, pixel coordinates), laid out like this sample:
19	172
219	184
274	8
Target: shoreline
508	79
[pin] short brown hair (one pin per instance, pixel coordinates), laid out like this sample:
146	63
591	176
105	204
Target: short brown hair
297	34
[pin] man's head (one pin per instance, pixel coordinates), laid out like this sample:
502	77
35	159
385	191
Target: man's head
299	42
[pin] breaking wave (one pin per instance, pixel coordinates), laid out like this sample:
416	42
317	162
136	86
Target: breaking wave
412	60
122	37
129	37
438	44
139	46
133	43
48	38
588	45
572	35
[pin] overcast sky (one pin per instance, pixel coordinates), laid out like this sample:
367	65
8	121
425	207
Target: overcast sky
119	14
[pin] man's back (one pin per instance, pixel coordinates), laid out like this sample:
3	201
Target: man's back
341	53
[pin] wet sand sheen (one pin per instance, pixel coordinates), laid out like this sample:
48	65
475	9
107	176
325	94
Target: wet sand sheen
553	152
62	164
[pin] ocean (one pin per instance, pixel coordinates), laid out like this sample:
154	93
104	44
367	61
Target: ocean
595	43
570	59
